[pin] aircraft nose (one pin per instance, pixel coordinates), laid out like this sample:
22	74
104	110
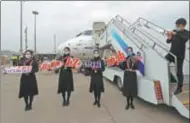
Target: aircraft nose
61	47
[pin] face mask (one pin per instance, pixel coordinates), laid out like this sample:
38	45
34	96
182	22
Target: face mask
96	55
28	56
66	53
178	29
130	53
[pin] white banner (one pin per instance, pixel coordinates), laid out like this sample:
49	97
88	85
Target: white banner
17	69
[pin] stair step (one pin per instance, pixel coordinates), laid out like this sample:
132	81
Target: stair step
186	102
187	106
173	87
183	97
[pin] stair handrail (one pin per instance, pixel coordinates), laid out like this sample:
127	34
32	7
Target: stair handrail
112	21
137	22
146	25
164	32
123	31
154	45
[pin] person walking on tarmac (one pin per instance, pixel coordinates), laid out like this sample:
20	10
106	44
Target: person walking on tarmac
178	39
28	82
14	60
65	83
130	78
96	83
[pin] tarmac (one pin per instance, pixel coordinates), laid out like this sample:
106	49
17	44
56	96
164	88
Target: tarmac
47	106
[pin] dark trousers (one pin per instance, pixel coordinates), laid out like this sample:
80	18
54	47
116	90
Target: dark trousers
14	63
170	58
97	96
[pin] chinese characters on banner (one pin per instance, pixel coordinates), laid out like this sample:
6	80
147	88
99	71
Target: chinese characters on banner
115	60
71	62
93	64
17	69
55	64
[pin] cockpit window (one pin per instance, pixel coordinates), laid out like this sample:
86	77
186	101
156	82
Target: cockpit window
78	35
88	32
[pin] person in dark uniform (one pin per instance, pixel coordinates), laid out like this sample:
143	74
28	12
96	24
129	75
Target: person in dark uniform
96	84
28	82
178	39
65	78
130	78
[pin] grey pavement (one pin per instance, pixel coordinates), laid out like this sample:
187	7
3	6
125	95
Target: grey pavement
47	106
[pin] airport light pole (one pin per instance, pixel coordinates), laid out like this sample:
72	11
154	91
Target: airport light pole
21	26
26	40
55	43
35	13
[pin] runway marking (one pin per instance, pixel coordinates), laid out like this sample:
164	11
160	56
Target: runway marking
109	113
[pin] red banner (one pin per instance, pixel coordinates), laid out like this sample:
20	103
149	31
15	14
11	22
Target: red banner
55	64
115	60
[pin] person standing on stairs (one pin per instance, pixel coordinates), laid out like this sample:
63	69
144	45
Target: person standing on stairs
178	39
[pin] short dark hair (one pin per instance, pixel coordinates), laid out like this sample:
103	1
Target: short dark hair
67	48
130	48
181	21
30	51
96	51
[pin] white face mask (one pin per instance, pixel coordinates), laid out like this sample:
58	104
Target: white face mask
96	55
66	53
28	56
177	29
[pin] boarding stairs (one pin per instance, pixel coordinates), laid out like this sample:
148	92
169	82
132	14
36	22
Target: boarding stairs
149	45
150	34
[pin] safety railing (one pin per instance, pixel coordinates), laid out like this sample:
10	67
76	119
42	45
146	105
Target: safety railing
153	26
147	36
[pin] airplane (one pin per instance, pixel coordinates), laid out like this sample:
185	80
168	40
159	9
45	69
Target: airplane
81	46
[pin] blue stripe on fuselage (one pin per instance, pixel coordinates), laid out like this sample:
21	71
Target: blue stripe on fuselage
124	46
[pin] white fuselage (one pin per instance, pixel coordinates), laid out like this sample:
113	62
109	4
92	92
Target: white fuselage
81	47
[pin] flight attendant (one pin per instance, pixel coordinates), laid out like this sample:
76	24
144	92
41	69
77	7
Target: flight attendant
96	84
130	78
28	82
65	85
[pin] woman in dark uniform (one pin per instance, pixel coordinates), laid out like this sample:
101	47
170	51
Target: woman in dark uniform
96	84
65	78
130	78
28	82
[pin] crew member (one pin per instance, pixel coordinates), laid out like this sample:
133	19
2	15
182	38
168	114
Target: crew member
65	78
28	83
130	78
14	60
96	84
178	39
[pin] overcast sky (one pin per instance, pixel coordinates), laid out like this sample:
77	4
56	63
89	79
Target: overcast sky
66	19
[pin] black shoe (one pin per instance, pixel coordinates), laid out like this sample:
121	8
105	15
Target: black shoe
178	91
29	107
132	106
67	103
98	104
95	102
26	108
64	103
127	107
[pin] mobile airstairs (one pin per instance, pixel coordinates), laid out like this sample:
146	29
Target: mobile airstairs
154	84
